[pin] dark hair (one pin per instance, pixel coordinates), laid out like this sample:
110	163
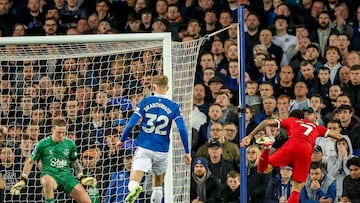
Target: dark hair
353	161
297	113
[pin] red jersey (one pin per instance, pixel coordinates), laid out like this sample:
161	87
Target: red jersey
302	129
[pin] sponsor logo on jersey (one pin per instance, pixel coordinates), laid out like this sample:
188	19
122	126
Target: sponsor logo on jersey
58	163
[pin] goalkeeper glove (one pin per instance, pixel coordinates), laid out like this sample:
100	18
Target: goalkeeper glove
15	189
87	181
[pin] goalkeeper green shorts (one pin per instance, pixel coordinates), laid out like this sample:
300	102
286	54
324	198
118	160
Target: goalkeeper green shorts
65	183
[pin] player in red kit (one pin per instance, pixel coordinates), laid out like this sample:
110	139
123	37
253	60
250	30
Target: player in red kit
295	152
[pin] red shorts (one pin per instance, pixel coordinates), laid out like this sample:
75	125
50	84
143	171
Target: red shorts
297	155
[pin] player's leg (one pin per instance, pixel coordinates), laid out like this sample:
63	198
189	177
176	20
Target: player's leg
79	194
266	142
157	190
160	162
141	163
295	193
49	186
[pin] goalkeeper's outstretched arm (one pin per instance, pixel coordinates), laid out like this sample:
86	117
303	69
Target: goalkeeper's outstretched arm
78	169
16	189
28	166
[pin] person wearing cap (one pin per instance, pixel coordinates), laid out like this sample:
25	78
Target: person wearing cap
351	189
337	163
282	38
156	114
319	186
217	164
310	114
215	83
204	186
158	25
302	135
317	156
279	187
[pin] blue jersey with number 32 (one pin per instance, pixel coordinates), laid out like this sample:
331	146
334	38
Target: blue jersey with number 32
157	113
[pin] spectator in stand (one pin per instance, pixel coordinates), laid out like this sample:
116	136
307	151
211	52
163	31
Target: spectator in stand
332	56
334	92
18	30
351	189
206	61
174	21
104	26
281	36
283	106
210	24
343	43
312	54
161	8
319	185
7	19
231	151
353	58
232	79
265	38
328	144
71	13
337	163
146	19
217	49
321	35
342	20
353	87
218	166
301	100
23	111
270	69
103	11
257	182
199	98
285	84
252	23
269	106
296	53
82	26
33	17
204	187
249	122
252	98
355	40
324	81
93	21
231	132
231	189
215	84
266	90
279	187
309	77
50	27
159	24
9	171
229	111
317	103
254	66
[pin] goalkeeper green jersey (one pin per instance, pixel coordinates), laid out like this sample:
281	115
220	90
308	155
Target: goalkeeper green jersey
55	156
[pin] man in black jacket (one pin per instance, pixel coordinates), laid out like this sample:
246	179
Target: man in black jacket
351	184
205	187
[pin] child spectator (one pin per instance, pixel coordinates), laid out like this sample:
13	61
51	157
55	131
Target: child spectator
279	188
332	56
252	98
104	26
231	189
324	81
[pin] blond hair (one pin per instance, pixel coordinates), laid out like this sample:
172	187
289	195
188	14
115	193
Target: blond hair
160	80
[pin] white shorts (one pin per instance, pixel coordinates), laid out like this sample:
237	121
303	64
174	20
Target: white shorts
149	161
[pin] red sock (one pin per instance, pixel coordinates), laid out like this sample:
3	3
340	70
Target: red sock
263	161
294	197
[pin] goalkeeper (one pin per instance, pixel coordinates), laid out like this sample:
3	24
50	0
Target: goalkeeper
56	152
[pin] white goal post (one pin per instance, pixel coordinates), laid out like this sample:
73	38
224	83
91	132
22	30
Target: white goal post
55	74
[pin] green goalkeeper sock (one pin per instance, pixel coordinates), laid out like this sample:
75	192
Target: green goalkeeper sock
50	200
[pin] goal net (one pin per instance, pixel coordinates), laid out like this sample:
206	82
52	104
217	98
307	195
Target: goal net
94	83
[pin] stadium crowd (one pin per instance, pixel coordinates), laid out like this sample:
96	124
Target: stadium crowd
300	54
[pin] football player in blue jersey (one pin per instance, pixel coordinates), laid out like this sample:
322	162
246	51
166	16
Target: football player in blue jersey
156	113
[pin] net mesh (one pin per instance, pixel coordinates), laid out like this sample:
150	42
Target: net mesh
94	87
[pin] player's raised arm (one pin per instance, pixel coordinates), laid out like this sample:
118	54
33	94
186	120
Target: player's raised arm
247	139
335	134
